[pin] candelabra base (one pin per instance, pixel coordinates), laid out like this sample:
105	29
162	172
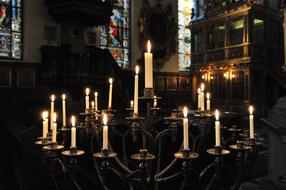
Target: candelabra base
49	138
53	147
143	155
105	154
149	92
73	152
186	155
218	151
43	142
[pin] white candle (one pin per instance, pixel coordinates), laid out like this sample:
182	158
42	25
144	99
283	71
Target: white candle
54	135
208	102
73	133
186	129
251	122
45	124
148	66
110	93
92	105
96	101
202	97
105	133
217	129
155	102
131	104
136	87
199	98
52	110
87	98
64	110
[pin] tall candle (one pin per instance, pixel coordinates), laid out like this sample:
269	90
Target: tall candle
202	97
105	133
217	129
64	110
45	123
199	98
148	66
110	93
186	129
87	98
54	135
136	87
208	102
73	132
52	110
95	101
251	122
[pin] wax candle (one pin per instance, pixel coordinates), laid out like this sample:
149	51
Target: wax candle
92	105
148	66
53	97
208	102
199	98
73	132
87	98
217	129
105	133
64	110
54	135
155	102
251	122
202	97
96	101
110	93
131	104
136	89
45	124
186	129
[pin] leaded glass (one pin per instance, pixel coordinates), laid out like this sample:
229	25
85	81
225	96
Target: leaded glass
115	36
11	29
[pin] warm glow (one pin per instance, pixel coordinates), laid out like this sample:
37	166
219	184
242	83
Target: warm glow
105	119
202	87
199	90
131	103
95	94
87	91
55	117
233	76
185	112
149	46
217	115
137	69
110	80
53	97
64	97
203	77
45	115
212	77
208	96
251	109
73	121
226	75
92	104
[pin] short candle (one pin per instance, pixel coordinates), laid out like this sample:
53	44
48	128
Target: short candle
45	116
148	66
87	98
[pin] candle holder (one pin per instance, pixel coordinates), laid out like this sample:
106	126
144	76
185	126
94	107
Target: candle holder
43	141
72	154
149	92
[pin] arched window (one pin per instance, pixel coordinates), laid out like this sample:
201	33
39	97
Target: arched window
185	8
11	29
116	36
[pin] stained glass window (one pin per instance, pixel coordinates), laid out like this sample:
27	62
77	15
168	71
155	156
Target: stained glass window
11	29
116	35
185	8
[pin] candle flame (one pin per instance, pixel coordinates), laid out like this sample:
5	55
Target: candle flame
92	104
202	87
233	76
53	97
105	119
149	46
45	115
87	91
110	80
73	120
185	112
203	76
199	90
64	97
208	95
137	69
96	94
55	117
251	109
217	115
131	103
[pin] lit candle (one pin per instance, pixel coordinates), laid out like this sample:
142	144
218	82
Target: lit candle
105	133
208	102
202	97
155	102
199	98
87	98
136	87
131	104
217	129
251	122
73	133
54	135
92	105
110	93
148	66
45	116
52	110
186	128
96	101
64	110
